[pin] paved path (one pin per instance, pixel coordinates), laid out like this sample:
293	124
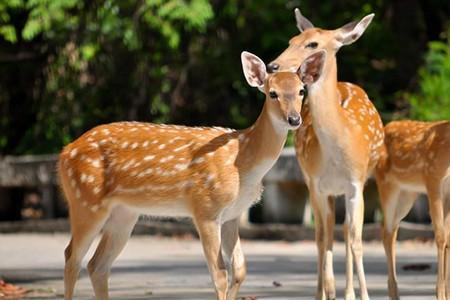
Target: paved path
172	269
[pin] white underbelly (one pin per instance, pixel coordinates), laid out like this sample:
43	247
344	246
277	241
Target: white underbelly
413	187
169	208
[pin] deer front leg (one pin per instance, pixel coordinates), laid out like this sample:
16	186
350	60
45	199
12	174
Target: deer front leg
354	218
320	236
325	219
210	235
349	290
231	248
329	281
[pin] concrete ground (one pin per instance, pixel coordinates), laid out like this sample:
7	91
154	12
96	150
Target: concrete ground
173	268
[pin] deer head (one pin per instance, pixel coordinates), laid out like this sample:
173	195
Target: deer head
312	39
285	91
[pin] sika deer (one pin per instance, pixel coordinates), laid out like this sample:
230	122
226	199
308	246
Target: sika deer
416	160
115	172
337	147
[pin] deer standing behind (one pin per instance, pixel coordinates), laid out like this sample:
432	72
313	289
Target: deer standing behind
416	160
115	172
337	146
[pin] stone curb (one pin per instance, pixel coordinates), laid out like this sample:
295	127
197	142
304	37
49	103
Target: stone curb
407	231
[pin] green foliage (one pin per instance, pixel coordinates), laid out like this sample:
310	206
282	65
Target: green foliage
432	101
68	65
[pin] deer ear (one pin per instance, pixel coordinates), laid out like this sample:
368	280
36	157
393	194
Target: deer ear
254	69
302	22
351	32
312	67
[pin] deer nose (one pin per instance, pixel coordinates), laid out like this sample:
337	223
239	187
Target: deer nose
294	120
272	67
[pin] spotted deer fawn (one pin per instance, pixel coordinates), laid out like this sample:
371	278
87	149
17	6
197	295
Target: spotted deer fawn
114	172
337	146
416	160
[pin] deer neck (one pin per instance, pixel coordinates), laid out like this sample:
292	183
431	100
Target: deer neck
260	146
326	112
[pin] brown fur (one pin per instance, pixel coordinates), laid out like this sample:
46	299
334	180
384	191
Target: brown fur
416	159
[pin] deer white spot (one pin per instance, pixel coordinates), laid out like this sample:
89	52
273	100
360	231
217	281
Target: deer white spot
162	146
70	172
77	193
182	147
105	131
175	139
149	157
167	158
134	145
73	183
96	163
145	144
102	142
128	165
181	167
90	179
84	203
134	129
124	145
97	190
198	160
83	177
94	208
73	153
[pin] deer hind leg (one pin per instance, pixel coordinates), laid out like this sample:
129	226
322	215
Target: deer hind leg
116	233
395	205
85	225
210	235
445	187
231	249
437	218
354	218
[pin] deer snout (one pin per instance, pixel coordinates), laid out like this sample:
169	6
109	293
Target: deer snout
272	67
294	120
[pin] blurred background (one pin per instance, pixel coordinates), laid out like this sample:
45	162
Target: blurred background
68	65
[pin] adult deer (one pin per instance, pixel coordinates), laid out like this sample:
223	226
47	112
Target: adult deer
337	146
416	160
114	172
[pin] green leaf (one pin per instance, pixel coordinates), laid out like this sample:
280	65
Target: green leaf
9	33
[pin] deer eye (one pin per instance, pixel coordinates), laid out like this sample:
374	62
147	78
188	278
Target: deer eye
312	45
273	95
303	92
